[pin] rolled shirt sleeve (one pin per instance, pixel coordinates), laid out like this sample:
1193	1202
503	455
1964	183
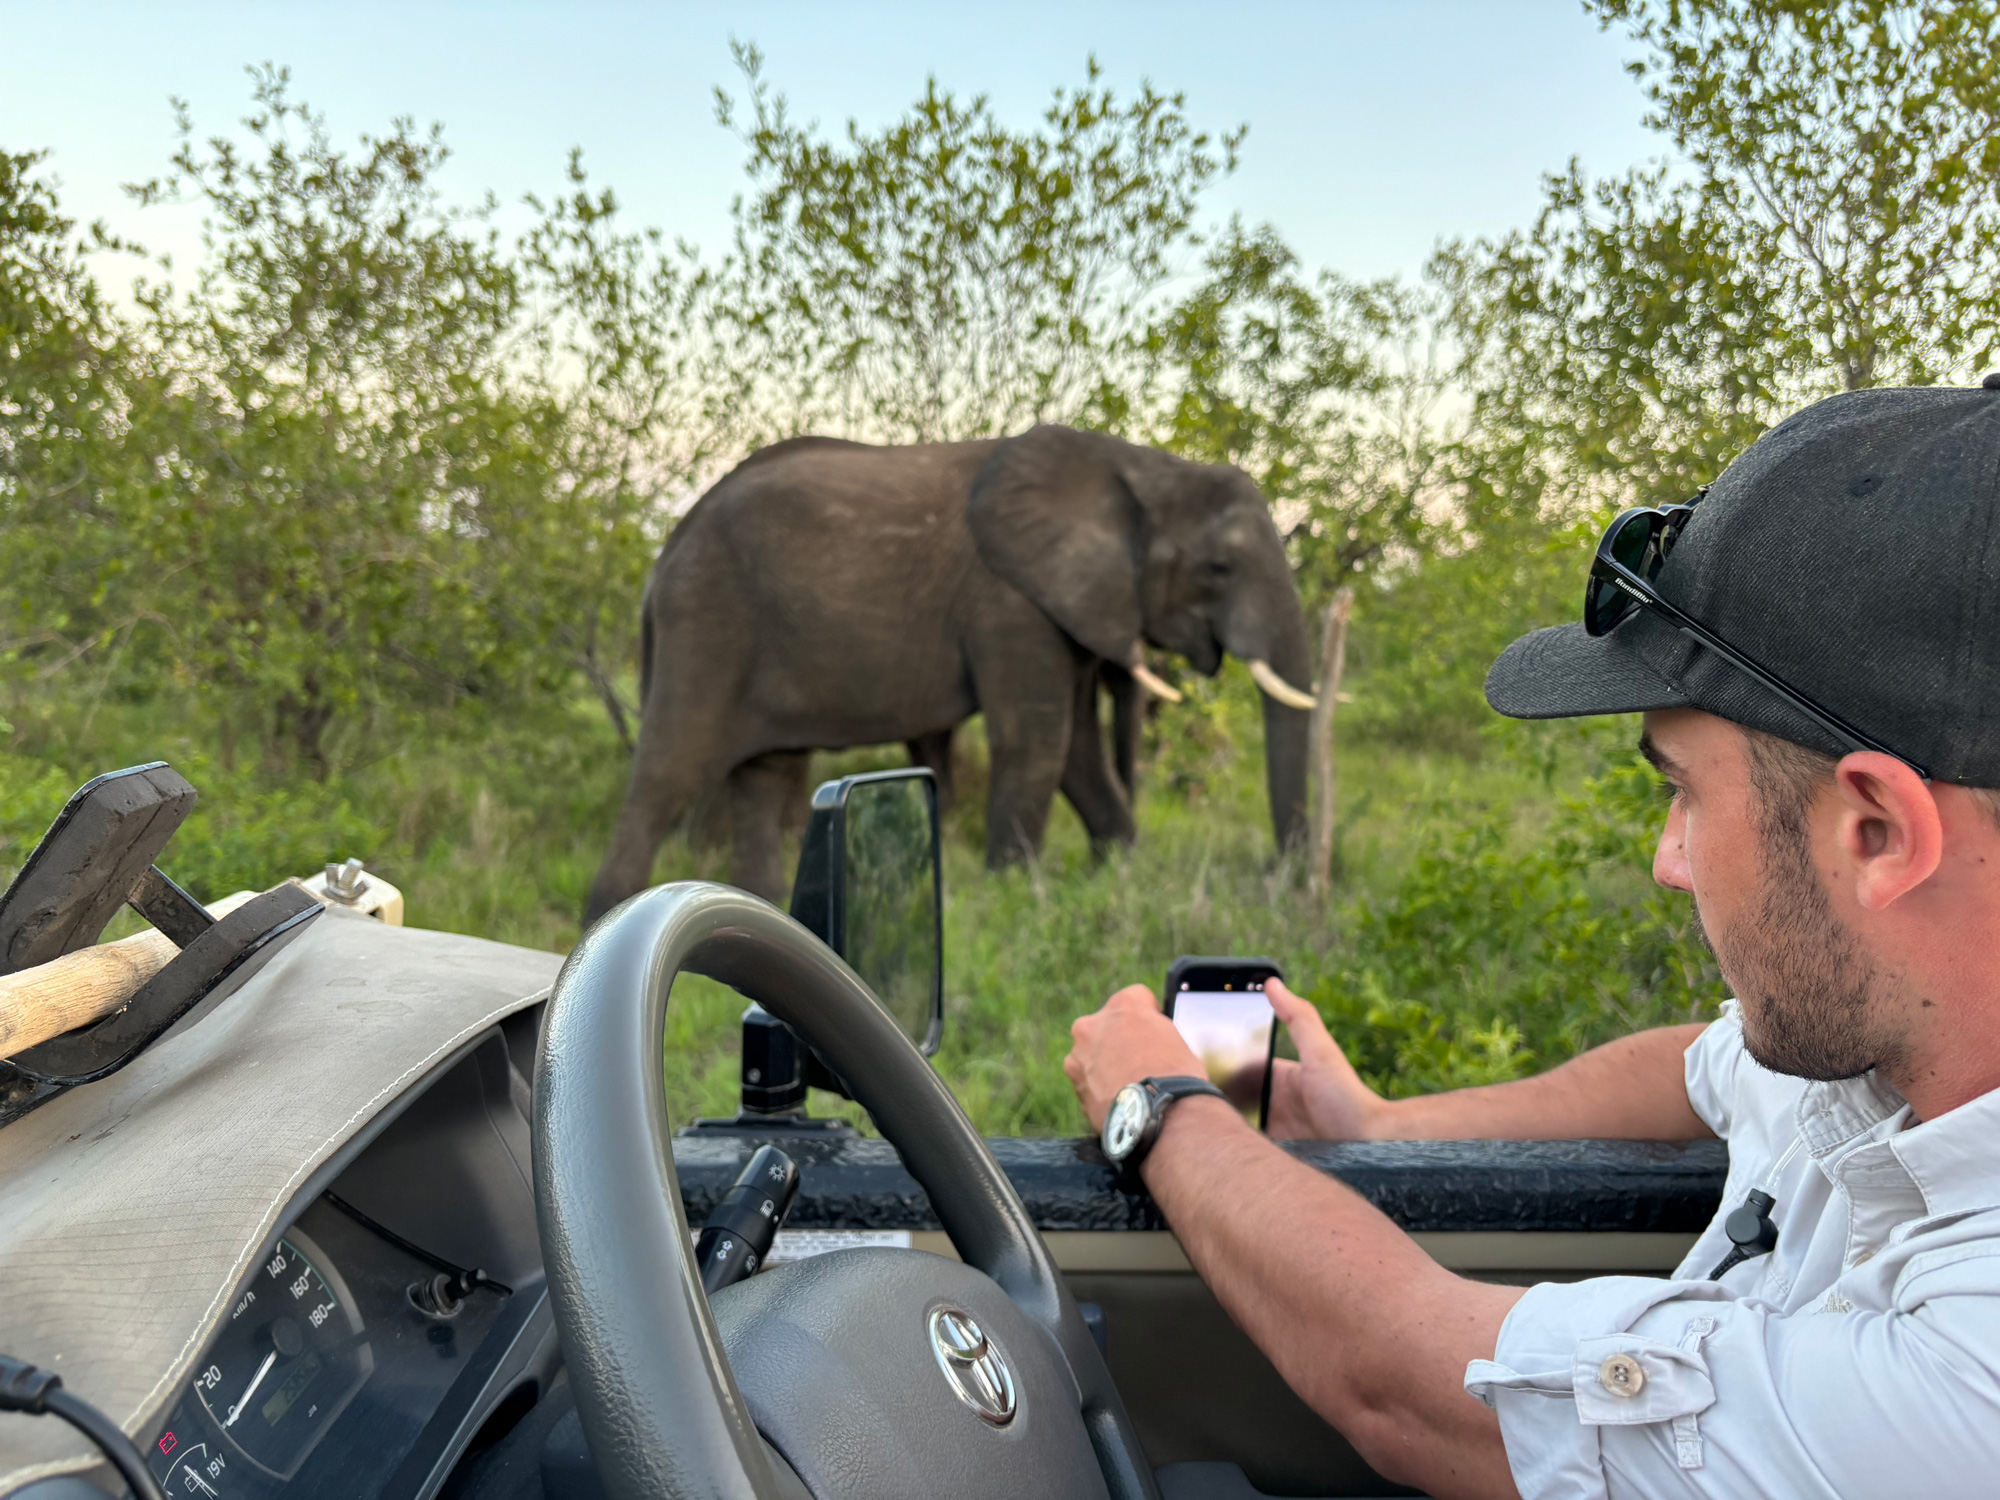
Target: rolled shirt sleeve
1627	1387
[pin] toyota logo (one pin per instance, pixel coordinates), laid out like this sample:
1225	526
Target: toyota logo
973	1364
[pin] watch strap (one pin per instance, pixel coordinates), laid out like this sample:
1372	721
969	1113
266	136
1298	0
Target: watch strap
1181	1086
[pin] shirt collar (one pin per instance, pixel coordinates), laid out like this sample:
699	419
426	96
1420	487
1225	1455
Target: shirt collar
1949	1160
1832	1114
1952	1159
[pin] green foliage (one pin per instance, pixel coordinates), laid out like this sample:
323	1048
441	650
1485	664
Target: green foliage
1424	636
353	528
1484	925
1861	140
1488	960
53	332
62	412
1836	224
32	792
635	401
1620	349
338	344
372	465
1297	381
947	277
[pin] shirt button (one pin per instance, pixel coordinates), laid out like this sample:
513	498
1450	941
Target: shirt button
1621	1376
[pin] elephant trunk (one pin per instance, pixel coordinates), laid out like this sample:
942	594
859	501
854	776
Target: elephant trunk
1274	648
1286	733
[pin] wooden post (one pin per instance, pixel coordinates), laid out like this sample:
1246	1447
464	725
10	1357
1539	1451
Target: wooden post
87	985
77	989
1332	660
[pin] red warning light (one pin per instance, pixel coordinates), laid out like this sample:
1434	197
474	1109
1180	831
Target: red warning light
168	1442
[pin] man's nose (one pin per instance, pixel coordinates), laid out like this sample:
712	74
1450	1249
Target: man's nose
1670	861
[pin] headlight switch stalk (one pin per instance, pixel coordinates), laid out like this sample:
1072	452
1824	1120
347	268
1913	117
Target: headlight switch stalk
737	1238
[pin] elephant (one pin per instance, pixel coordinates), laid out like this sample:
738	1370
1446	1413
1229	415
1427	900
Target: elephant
827	593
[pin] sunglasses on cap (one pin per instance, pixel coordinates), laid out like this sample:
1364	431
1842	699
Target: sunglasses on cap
1629	558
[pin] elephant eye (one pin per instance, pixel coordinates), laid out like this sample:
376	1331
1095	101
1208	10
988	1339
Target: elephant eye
1216	567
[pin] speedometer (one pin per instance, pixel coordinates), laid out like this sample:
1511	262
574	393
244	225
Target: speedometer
288	1361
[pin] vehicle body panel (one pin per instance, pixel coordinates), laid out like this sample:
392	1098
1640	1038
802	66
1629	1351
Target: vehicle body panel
136	1206
396	1063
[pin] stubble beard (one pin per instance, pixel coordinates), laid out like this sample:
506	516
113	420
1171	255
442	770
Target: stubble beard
1809	993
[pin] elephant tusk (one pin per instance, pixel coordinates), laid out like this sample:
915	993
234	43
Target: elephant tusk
1154	685
1278	689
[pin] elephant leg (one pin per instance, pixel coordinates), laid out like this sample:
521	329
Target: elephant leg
795	797
1089	781
677	759
1026	682
759	791
707	825
1128	722
933	751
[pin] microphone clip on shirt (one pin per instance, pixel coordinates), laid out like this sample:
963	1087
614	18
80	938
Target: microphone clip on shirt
1750	1230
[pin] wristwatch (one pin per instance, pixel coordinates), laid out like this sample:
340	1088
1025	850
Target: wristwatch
1138	1111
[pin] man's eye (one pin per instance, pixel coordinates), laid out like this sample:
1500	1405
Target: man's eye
1671	792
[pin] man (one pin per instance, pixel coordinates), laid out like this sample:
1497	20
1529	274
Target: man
1815	645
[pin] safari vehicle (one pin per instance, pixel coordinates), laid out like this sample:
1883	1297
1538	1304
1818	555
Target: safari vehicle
335	1207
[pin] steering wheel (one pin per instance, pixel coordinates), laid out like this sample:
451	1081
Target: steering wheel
874	1374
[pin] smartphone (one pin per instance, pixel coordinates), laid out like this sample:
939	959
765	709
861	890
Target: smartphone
1218	1006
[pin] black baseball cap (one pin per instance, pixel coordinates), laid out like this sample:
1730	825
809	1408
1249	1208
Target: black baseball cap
1853	551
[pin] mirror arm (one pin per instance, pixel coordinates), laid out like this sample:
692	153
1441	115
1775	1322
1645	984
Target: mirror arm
772	1079
820	1076
778	1067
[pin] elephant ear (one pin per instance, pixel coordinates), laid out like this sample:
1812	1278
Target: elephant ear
1053	515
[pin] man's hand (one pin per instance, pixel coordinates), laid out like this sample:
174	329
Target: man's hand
1127	1040
1319	1097
1328	1271
1630	1089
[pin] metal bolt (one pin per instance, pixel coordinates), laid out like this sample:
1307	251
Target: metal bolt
345	883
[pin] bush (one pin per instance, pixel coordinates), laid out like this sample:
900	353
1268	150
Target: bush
1424	636
1485	962
242	835
1483	927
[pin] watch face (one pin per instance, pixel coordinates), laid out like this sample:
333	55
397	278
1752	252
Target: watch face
1125	1121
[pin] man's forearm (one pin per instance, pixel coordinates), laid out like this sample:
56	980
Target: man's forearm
1632	1089
1370	1331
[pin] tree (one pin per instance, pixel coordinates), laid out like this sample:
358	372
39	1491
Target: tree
63	409
637	399
947	277
1832	222
1865	137
328	375
1319	388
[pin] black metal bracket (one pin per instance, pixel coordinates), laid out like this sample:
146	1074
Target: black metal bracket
96	856
211	966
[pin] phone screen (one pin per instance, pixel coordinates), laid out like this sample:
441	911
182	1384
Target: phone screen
1223	1016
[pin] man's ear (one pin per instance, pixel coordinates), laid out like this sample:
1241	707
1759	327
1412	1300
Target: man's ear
1890	833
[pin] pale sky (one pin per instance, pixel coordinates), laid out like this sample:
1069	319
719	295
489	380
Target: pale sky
1375	127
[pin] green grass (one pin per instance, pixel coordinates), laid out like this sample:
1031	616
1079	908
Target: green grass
1491	913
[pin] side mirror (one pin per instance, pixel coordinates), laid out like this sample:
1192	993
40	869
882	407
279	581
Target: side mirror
871	885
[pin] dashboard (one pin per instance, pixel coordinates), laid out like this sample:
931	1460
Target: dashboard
399	1320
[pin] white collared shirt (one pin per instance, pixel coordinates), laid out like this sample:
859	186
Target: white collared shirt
1860	1359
